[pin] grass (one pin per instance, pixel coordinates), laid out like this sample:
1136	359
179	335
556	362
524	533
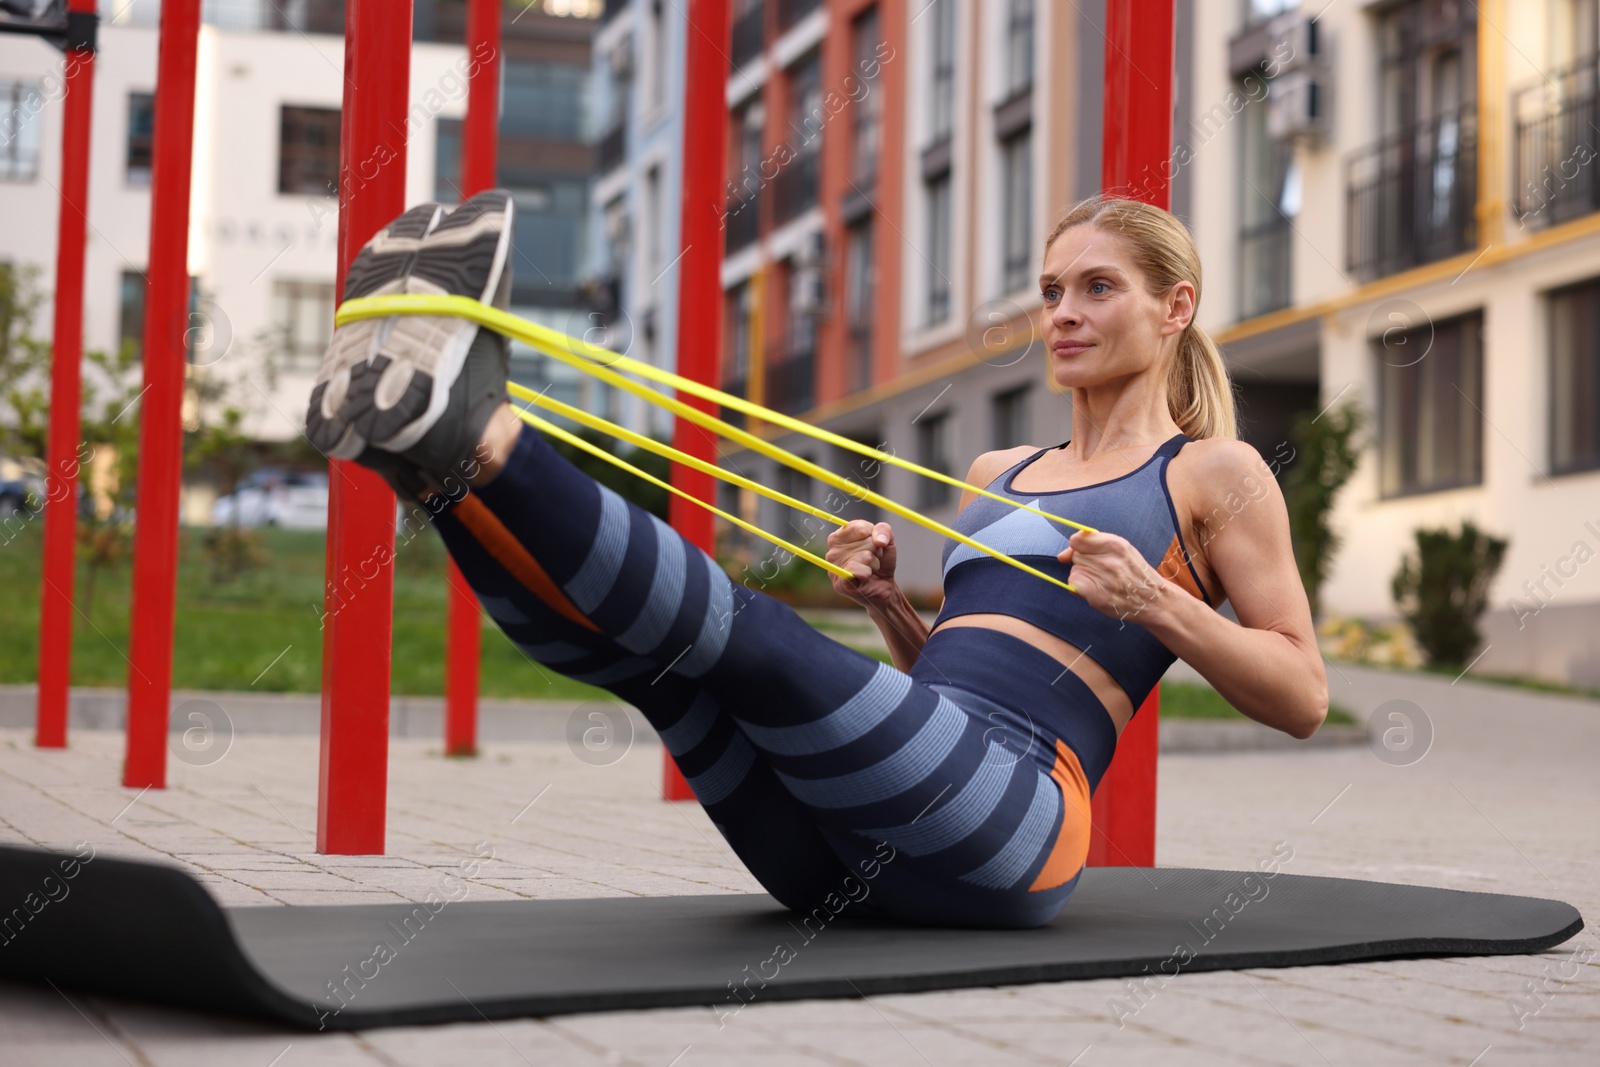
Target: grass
1514	681
262	632
1185	700
230	636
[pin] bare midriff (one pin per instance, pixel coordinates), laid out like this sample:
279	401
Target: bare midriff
1071	657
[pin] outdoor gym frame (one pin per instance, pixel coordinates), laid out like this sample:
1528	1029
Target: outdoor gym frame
353	771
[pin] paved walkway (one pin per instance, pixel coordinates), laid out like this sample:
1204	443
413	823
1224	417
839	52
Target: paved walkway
1503	800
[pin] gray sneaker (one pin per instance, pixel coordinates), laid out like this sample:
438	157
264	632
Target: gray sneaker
416	408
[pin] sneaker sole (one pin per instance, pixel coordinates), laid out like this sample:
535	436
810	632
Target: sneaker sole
379	270
403	391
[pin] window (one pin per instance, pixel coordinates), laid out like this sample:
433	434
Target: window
868	98
1010	410
1019	47
658	54
862	285
942	98
20	104
794	190
653	222
308	151
1575	378
1016	168
938	194
1269	200
738	304
302	320
545	101
933	452
1430	401
447	161
547	231
141	134
130	316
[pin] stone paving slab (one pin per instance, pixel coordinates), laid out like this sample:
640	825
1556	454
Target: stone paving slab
1502	800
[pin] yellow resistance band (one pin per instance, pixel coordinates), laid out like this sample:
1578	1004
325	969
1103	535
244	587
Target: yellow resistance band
596	361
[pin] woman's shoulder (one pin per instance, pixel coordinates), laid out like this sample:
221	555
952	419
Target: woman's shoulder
993	463
1214	470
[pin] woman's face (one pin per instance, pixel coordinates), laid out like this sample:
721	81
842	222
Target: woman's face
1100	322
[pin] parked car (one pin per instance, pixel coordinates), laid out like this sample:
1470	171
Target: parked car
21	485
272	496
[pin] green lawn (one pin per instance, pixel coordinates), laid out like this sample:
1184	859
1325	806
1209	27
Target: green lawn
1183	700
229	634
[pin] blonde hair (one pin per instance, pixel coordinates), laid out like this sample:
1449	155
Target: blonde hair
1199	392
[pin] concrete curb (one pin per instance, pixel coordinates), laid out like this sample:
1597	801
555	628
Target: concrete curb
529	720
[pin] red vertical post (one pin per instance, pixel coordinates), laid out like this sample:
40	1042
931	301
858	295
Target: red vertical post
358	613
66	391
705	162
478	142
164	356
1136	152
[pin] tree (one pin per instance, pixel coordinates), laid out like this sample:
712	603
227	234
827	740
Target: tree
1329	449
24	364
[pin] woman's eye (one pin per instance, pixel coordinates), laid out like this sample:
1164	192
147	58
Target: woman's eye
1050	294
1099	288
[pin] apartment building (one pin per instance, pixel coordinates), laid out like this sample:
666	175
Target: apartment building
881	276
1405	212
635	200
264	214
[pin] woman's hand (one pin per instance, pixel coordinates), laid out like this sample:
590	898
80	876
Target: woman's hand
1111	575
866	551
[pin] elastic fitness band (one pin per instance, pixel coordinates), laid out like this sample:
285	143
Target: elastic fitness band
597	362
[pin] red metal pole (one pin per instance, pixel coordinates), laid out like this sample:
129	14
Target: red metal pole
358	619
478	144
705	154
1135	163
165	355
66	391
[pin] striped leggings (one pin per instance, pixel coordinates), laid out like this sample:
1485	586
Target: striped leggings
957	794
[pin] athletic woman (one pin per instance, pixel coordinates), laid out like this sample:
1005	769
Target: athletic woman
952	788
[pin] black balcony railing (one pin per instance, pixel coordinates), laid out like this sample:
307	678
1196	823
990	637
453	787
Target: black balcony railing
1264	267
794	190
1412	198
791	381
613	147
749	34
1558	134
741	223
792	11
860	356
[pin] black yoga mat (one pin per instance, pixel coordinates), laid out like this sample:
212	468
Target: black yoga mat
151	932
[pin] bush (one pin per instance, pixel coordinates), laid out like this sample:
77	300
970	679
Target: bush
1443	590
1328	451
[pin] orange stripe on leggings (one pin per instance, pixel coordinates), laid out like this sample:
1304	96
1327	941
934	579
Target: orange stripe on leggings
503	545
1071	850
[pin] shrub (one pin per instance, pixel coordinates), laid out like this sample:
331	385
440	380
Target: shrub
1328	452
1443	589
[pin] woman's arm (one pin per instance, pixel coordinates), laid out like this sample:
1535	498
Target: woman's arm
1267	664
902	628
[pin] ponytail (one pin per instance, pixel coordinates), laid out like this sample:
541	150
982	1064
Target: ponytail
1199	393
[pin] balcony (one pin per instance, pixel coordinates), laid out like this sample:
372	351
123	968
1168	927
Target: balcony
613	148
1265	259
1412	197
741	223
792	11
791	381
794	190
1556	176
749	34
